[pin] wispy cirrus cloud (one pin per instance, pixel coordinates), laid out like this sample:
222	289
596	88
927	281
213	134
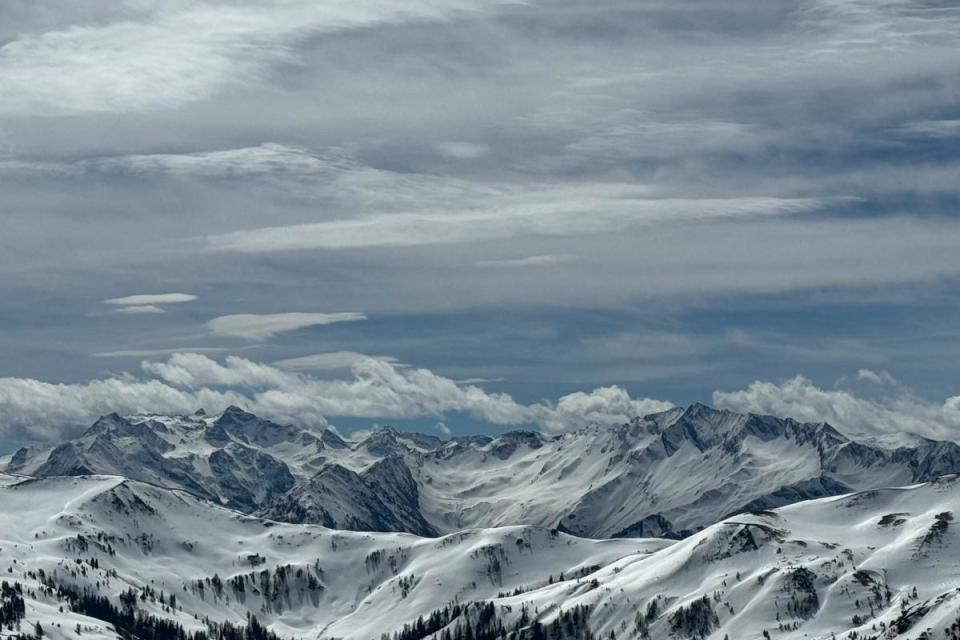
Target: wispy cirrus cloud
530	261
173	53
262	160
544	211
152	353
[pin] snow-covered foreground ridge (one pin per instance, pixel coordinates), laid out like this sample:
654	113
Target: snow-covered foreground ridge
880	563
666	474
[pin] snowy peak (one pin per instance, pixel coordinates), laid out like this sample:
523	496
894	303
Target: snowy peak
509	443
234	415
384	441
241	426
706	427
65	460
420	441
329	438
111	422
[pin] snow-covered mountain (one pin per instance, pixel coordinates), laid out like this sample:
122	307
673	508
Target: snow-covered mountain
97	556
666	474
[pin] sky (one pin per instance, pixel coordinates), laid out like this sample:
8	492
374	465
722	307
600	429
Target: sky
464	216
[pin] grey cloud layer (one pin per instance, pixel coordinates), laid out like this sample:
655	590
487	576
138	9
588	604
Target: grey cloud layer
484	179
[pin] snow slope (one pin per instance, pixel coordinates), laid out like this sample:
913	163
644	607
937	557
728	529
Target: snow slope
881	563
334	583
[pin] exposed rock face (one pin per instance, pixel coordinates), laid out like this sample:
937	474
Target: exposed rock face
381	498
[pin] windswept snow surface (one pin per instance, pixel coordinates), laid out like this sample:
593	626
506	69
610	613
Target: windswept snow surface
364	583
881	563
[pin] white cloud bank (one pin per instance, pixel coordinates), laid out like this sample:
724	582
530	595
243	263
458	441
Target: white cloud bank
32	410
896	411
36	411
39	411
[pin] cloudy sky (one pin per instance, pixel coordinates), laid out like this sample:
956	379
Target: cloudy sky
467	215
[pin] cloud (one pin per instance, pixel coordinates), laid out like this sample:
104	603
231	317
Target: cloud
195	371
442	428
264	160
895	413
529	261
152	298
251	326
33	410
627	133
137	133
140	309
174	53
931	128
881	378
603	406
149	353
36	411
559	210
40	411
148	303
329	361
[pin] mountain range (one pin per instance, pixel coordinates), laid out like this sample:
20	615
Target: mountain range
667	475
692	523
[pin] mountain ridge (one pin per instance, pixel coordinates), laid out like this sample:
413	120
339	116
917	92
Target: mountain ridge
668	474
